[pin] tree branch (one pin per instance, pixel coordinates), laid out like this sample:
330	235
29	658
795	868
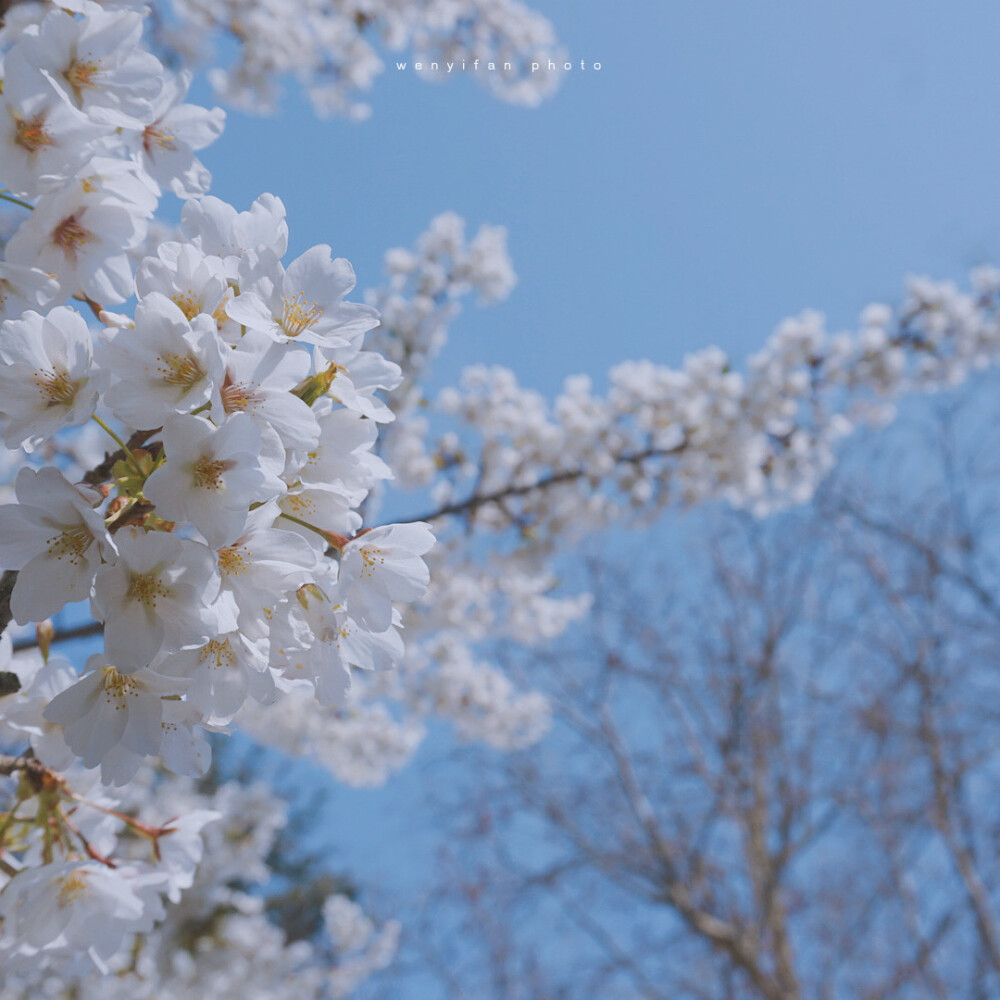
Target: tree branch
472	503
77	632
7	582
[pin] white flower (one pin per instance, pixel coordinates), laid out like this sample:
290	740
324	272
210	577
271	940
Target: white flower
183	748
106	708
96	62
23	288
217	228
167	144
81	907
263	565
22	715
42	138
342	459
82	237
260	375
381	566
322	507
211	476
304	303
118	179
319	642
165	365
194	282
160	591
222	673
55	539
181	847
358	375
47	377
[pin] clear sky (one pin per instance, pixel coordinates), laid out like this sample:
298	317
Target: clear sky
731	164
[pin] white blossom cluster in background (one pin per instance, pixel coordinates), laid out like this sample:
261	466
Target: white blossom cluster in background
332	47
760	438
218	540
216	939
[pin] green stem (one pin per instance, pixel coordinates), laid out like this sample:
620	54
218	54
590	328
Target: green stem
15	201
305	524
9	818
121	444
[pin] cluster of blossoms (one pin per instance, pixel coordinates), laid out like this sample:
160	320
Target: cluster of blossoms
214	940
332	49
761	438
444	675
203	545
219	543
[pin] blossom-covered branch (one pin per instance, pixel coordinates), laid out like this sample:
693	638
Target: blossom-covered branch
333	48
219	539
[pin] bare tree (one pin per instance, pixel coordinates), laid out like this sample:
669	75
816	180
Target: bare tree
775	769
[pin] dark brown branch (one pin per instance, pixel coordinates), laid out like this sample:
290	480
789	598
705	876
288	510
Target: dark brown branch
10	764
472	503
27	762
78	632
102	473
7	582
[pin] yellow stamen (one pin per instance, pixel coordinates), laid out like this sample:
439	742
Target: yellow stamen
30	133
152	138
207	473
71	543
371	558
188	304
70	236
234	559
238	396
179	369
218	650
298	316
72	888
56	386
80	76
300	503
146	588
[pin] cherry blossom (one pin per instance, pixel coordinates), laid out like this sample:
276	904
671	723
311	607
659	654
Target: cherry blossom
82	235
160	589
211	475
97	63
47	380
107	707
164	365
56	541
384	565
304	303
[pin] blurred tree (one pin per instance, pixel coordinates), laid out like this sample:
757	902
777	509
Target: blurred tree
774	772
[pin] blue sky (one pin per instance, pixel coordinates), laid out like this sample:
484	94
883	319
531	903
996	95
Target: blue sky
731	164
